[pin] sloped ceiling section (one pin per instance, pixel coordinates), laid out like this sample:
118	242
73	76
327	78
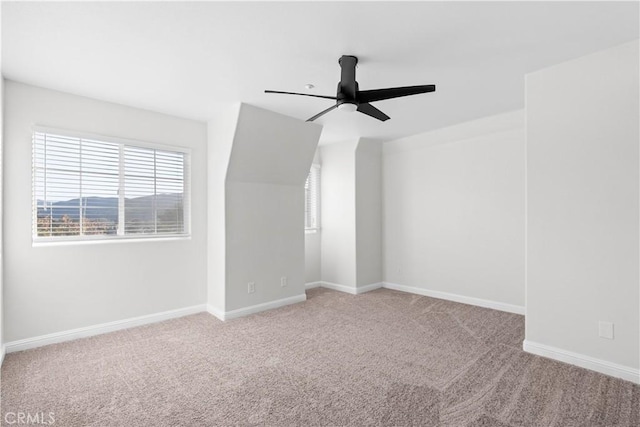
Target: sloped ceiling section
271	148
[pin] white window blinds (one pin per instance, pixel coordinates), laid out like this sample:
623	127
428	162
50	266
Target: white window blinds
312	199
86	188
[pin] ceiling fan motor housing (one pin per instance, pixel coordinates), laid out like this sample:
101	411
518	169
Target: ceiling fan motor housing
343	98
348	87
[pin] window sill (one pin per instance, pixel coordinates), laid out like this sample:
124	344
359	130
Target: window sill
109	240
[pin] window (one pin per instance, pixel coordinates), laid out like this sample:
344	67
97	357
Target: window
312	200
99	188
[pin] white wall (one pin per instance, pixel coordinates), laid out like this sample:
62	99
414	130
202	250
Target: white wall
351	204
265	241
57	288
312	257
582	216
269	158
338	213
220	133
368	181
2	349
454	205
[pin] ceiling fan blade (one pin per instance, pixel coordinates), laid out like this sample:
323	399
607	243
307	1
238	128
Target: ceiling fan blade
322	113
372	111
392	92
303	94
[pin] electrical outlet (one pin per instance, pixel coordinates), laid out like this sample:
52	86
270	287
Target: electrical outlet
605	330
251	288
283	281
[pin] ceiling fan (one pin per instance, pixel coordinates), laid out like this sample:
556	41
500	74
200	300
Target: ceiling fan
350	98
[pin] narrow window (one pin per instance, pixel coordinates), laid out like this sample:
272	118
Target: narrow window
312	200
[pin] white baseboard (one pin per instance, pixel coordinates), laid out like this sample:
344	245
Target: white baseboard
312	285
587	362
336	287
501	306
103	328
350	289
2	353
241	312
368	288
495	305
215	311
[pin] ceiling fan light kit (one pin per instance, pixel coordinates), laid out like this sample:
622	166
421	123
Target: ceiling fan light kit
348	107
350	98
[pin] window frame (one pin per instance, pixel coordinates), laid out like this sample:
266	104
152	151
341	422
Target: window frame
316	229
110	238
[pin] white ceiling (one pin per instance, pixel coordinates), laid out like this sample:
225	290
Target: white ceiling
190	59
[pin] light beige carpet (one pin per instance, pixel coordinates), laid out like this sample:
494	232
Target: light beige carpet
381	358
